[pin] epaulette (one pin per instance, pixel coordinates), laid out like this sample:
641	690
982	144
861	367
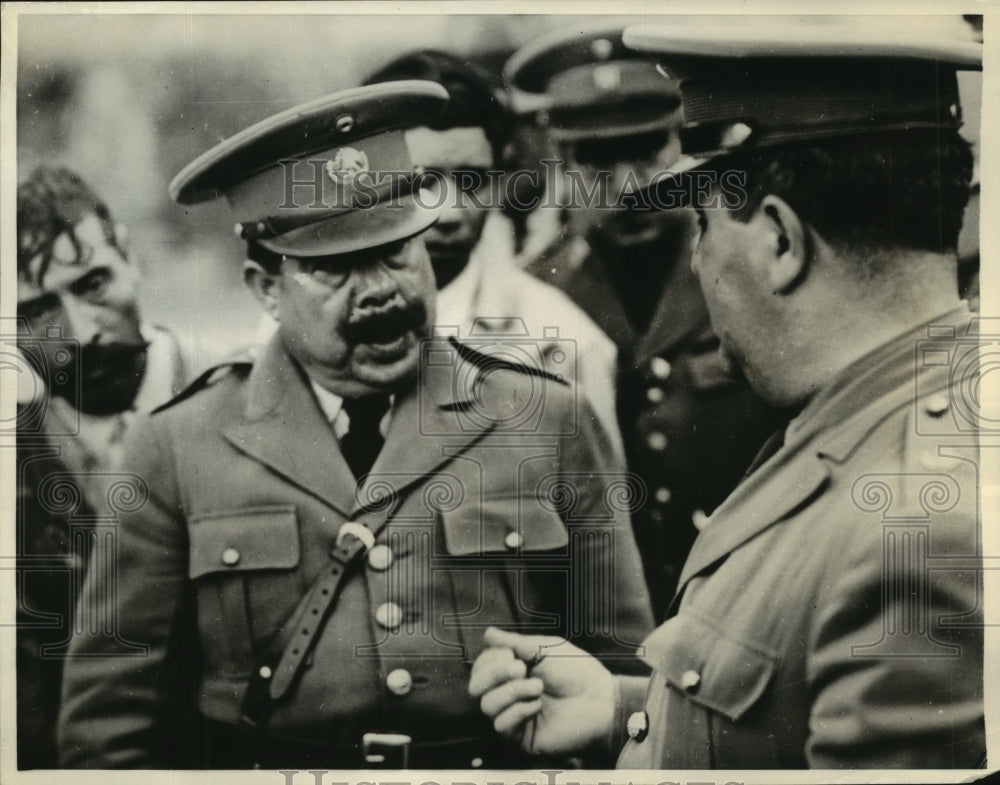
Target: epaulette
488	362
206	379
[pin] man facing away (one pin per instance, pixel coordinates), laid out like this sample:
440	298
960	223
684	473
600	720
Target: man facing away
829	614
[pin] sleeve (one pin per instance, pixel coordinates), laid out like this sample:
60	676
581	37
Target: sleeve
119	685
610	606
896	655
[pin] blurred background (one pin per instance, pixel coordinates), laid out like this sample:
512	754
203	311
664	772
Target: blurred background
129	100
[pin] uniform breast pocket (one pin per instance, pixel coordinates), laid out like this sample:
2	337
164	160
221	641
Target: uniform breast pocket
512	565
245	567
715	683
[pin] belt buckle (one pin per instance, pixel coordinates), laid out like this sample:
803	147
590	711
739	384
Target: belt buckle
386	750
359	532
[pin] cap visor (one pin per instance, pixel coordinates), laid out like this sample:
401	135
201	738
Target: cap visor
385	222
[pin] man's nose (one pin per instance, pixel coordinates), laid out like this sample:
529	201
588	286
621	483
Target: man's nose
375	287
80	320
624	176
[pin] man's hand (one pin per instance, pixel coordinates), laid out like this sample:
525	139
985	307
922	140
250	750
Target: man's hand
544	692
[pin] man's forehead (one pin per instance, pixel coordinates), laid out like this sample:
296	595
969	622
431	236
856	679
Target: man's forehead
63	263
464	145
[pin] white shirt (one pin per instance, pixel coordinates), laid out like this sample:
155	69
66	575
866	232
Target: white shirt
332	406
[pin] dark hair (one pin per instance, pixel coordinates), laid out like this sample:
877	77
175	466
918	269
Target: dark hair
477	97
893	189
51	202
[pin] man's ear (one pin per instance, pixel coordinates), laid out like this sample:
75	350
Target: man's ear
263	286
790	250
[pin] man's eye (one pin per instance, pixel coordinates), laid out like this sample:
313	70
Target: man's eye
93	285
331	276
395	254
36	311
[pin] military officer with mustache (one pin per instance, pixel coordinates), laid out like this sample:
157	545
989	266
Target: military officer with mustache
329	530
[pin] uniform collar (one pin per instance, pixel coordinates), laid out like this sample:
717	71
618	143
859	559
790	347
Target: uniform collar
828	430
892	366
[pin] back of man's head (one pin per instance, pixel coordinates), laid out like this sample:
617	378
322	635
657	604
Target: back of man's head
476	97
898	190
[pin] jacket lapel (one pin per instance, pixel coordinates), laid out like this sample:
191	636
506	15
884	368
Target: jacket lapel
427	429
284	429
777	488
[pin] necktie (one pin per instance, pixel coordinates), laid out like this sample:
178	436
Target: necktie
363	440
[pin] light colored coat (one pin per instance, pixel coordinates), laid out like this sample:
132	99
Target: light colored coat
830	614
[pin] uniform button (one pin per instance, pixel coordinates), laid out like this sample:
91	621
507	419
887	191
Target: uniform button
380	557
638	726
660	368
476	763
690	681
399	682
654	394
699	519
264	672
512	540
389	615
657	440
662	495
230	557
936	405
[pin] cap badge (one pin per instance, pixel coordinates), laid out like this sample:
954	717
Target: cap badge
607	77
346	165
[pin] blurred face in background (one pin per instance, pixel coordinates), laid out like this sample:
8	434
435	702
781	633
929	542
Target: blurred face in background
460	159
626	162
80	297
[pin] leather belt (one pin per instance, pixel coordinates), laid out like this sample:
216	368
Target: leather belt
232	747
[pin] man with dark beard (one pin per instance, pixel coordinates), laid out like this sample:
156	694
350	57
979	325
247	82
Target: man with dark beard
80	323
89	366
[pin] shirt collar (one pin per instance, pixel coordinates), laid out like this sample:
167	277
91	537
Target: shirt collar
330	403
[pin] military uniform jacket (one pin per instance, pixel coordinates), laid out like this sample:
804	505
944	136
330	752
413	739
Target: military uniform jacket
689	429
491	505
830	613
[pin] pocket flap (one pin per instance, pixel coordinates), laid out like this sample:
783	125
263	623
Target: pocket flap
716	671
261	538
506	525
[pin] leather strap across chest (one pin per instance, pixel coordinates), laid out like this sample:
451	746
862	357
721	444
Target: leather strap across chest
278	668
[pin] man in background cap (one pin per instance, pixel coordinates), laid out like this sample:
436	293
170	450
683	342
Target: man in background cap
482	291
90	365
689	429
829	614
332	527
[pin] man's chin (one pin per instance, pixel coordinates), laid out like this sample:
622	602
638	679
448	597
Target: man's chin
730	366
635	230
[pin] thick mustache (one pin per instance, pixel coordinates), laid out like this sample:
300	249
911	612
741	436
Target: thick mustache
389	325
